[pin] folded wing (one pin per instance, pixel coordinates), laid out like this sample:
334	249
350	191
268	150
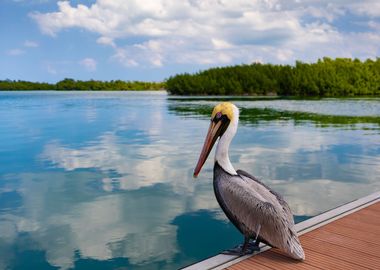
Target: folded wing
253	205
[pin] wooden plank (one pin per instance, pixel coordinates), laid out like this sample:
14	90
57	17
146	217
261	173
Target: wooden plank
367	217
345	241
371	212
353	233
274	259
341	253
327	262
347	237
360	225
366	212
375	207
351	242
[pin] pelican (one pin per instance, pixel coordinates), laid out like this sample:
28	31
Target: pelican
258	212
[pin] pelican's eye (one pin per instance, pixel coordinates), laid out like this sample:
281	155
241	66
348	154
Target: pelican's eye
217	117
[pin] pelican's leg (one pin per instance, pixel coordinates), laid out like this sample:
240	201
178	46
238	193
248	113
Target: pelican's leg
249	247
257	235
239	250
254	245
246	248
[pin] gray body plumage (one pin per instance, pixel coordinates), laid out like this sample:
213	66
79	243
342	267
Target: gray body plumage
251	206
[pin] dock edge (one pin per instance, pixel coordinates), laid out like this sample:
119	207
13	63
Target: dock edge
222	261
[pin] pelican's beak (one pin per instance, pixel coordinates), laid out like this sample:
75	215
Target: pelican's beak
215	130
211	137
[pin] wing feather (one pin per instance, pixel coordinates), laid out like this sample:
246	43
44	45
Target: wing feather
280	199
252	203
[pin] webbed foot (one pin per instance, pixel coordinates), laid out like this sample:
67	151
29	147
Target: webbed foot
243	249
236	251
254	245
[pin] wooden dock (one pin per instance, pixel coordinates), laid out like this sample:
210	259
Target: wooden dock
347	237
352	242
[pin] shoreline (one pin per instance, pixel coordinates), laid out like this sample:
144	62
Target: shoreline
200	97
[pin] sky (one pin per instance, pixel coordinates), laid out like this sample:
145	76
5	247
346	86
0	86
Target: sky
45	40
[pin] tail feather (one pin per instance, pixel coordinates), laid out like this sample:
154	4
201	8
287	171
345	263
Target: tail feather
295	249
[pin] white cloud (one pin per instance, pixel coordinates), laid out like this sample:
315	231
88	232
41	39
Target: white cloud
167	31
88	63
31	44
106	41
15	52
370	8
220	44
122	55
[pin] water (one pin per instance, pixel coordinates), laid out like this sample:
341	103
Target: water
96	180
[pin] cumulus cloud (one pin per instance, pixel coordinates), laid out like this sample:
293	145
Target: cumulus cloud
368	8
88	63
218	32
106	41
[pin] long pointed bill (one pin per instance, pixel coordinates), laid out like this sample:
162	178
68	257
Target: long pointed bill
212	135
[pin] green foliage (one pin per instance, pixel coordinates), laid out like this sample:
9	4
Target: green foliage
327	77
71	84
254	116
24	85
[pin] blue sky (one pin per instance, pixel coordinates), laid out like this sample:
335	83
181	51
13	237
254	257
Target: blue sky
44	40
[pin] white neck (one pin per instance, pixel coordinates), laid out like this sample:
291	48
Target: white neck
221	153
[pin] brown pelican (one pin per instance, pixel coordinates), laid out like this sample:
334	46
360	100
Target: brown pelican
258	212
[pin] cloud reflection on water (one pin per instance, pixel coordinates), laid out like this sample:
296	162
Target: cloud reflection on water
137	166
64	225
121	193
302	158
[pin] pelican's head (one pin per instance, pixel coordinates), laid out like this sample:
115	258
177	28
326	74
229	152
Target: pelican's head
222	116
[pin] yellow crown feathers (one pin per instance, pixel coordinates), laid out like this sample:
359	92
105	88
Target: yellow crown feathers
225	108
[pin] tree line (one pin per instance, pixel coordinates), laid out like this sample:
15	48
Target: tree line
71	84
326	77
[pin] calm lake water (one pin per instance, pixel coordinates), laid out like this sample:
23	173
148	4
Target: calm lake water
96	180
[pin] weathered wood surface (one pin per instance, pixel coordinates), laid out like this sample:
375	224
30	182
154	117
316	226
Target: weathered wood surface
351	242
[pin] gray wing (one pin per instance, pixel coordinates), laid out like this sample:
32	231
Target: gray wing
253	205
280	199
